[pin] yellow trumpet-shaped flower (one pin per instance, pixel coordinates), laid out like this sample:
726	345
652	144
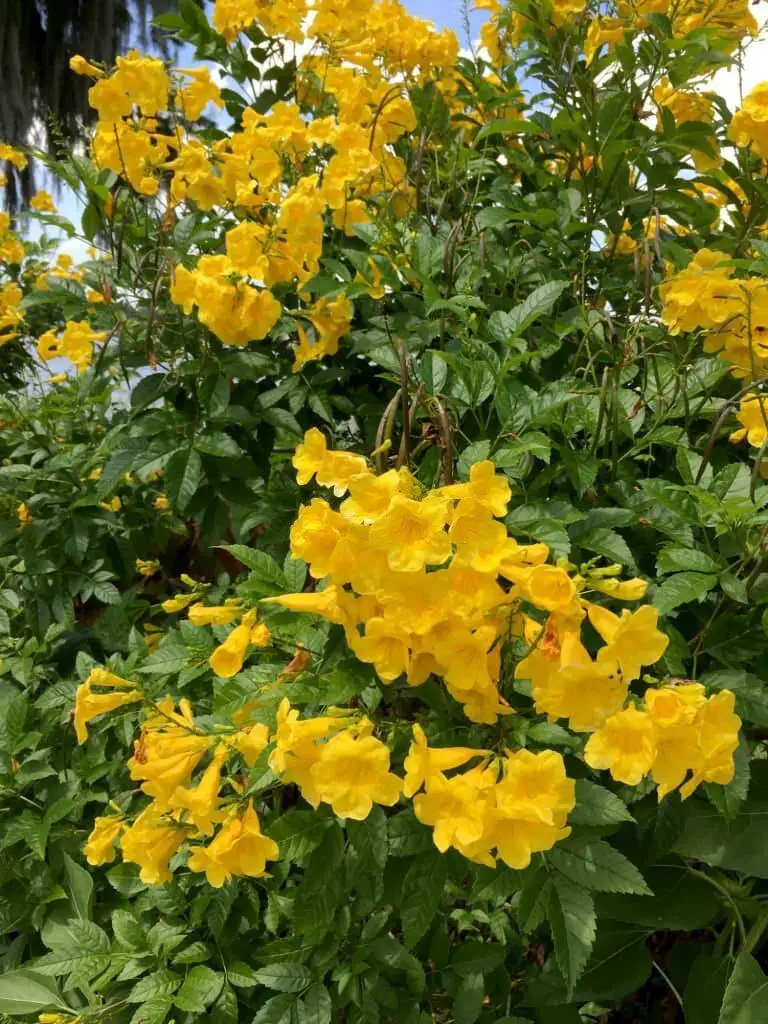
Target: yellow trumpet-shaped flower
227	660
423	761
239	848
89	705
100	845
352	774
151	842
200	802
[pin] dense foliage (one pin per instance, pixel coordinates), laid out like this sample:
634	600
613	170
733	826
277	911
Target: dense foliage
384	601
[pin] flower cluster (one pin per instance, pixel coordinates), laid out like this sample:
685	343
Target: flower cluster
679	732
733	311
11	316
729	21
432	583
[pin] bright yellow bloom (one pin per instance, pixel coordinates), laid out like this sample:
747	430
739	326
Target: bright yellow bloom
23	515
177	604
625	745
753	416
213	615
352	774
412	533
423	761
200	802
632	640
297	750
150	842
250	742
371	496
717	739
486	487
385	646
81	66
89	705
100	846
147	567
43	202
167	752
239	848
113	505
161	503
227	660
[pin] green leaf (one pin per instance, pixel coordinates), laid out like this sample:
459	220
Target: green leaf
276	1010
540	301
421	895
315	1006
294	574
298	833
468	1001
80	886
679	559
224	1010
508	126
182	477
746	995
739	845
154	1011
201	987
682	588
681	901
157	985
284	977
597	866
284	420
165	660
266	574
242	975
574	926
24	991
474	955
596	805
704	989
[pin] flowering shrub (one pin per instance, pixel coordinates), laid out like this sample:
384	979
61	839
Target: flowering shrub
383	608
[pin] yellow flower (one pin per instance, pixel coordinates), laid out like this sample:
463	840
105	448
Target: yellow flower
632	640
200	802
310	456
371	496
113	505
161	503
239	848
213	615
717	739
412	533
147	567
167	752
385	646
177	604
81	66
23	515
423	761
486	487
753	416
456	808
150	842
625	745
352	774
89	705
227	660
480	540
339	469
297	750
43	202
250	742
100	846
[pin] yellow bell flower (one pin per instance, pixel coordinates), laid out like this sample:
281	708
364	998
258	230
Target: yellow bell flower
632	640
89	705
412	533
100	845
423	762
239	848
150	842
625	745
250	742
352	774
200	802
227	660
212	615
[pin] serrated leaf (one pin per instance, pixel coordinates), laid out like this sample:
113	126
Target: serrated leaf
80	885
298	833
596	805
315	1006
421	895
294	574
676	559
201	987
276	1010
165	660
540	301
573	922
266	574
597	866
284	977
682	588
157	985
468	1001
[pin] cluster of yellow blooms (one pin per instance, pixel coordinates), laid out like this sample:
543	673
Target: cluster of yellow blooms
11	316
11	246
729	20
423	584
281	172
705	295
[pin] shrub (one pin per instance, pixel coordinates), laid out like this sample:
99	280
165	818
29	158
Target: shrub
384	602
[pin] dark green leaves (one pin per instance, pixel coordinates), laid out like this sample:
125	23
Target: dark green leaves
182	477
